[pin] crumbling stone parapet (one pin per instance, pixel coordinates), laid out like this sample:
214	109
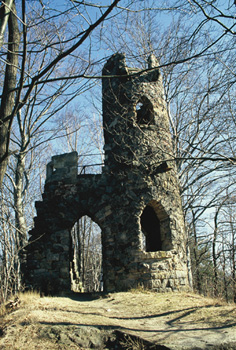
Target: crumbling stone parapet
63	167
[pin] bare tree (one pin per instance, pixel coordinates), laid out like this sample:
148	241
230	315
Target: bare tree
37	86
49	53
8	94
226	245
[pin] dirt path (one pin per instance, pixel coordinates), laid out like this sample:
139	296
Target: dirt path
172	321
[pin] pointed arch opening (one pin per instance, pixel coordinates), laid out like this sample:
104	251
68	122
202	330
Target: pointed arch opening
86	256
144	112
155	228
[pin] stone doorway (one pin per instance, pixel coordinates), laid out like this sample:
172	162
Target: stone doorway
155	228
86	256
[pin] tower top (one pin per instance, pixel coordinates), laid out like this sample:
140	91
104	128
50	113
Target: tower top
116	65
135	119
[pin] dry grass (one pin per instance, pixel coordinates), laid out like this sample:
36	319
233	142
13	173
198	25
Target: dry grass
132	344
43	323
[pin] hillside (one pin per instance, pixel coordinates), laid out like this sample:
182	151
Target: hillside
131	320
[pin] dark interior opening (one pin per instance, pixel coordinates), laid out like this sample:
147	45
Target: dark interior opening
144	110
150	225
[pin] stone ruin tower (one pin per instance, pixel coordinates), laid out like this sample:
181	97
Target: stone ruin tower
135	200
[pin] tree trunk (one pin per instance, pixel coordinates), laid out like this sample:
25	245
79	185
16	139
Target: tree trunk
233	258
4	15
214	254
20	223
8	96
18	201
195	255
224	273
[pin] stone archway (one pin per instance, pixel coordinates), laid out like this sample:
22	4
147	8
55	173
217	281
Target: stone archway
86	256
155	227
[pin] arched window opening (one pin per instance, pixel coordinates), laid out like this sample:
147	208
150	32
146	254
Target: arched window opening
151	229
144	111
86	256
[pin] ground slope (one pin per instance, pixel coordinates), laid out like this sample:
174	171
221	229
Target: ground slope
170	321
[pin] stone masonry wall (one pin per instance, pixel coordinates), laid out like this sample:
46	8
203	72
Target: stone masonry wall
135	200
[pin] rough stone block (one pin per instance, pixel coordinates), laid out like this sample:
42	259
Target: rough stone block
57	248
64	272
